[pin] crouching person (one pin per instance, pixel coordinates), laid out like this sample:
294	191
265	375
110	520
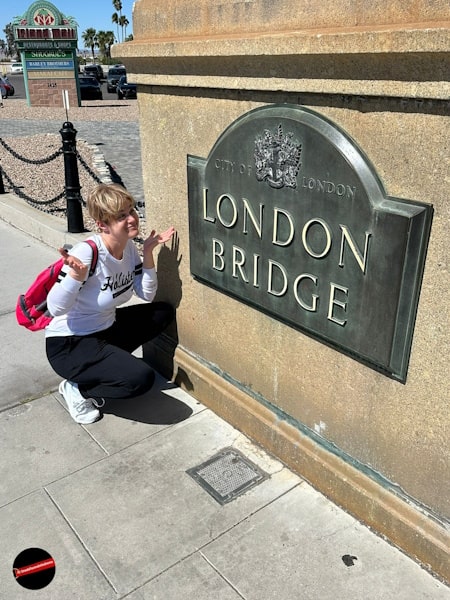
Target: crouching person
90	340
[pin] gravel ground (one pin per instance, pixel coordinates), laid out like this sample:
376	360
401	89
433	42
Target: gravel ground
44	182
91	110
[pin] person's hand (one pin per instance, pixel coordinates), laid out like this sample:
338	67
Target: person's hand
78	270
153	240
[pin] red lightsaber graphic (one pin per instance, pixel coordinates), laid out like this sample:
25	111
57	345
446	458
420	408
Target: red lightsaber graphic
42	565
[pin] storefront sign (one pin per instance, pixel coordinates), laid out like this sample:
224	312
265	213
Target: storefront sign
46	44
49	65
42	27
43	33
47	41
287	215
48	54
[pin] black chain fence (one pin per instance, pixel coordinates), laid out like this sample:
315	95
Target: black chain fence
44	205
88	169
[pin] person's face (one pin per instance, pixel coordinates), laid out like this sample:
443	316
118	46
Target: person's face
126	225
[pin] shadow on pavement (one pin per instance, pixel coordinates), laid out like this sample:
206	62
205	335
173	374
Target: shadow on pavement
155	408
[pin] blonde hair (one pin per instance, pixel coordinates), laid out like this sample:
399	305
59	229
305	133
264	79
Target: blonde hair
107	201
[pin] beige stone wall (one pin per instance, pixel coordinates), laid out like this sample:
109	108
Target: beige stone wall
182	19
379	73
390	426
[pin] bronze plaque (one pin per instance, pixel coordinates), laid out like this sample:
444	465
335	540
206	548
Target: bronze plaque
288	215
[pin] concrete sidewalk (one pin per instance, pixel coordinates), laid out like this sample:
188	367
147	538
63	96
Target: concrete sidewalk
113	503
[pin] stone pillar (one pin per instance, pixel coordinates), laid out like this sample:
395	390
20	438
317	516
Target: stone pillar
376	446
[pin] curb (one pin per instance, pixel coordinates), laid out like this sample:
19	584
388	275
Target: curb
45	227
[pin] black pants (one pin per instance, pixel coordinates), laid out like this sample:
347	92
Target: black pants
101	363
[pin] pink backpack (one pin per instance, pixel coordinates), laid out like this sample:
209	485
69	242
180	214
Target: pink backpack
31	307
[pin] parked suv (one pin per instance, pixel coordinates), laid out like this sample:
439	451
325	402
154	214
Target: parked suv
95	71
114	74
90	88
125	89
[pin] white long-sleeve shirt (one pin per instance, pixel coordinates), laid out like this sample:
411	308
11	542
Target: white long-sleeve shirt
84	308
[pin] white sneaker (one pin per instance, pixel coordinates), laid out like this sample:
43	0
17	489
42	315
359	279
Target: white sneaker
82	410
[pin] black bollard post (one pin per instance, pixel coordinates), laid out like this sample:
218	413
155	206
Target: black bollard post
72	182
2	186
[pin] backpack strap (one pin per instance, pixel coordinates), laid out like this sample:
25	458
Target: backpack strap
94	261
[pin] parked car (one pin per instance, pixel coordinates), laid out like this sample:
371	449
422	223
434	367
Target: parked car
8	86
90	88
125	89
95	71
114	74
16	67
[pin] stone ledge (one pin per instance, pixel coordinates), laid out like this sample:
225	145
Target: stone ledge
439	90
408	62
345	41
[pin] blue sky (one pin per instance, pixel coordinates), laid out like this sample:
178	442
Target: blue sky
96	13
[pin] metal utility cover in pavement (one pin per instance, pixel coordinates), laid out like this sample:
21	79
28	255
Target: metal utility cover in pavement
227	474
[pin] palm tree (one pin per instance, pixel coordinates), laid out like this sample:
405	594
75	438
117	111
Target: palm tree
115	19
105	41
90	40
110	39
118	6
101	42
123	22
11	47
